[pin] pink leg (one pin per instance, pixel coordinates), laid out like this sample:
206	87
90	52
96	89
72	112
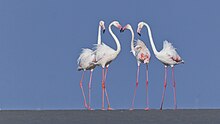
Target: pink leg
137	76
90	82
165	85
147	105
81	86
109	108
103	88
174	88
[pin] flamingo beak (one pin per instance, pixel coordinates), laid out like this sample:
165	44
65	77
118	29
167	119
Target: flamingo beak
121	30
139	34
103	31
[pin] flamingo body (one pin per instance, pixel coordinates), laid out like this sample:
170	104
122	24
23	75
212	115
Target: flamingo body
86	59
141	52
168	55
104	54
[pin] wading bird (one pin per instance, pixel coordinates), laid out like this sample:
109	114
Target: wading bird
142	55
104	56
168	56
86	62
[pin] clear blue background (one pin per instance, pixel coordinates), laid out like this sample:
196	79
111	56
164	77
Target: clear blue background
40	41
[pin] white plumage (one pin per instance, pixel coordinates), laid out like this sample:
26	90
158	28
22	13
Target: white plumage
86	59
142	53
104	54
168	55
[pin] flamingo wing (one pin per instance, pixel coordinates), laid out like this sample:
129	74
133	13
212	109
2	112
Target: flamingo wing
103	51
171	52
141	51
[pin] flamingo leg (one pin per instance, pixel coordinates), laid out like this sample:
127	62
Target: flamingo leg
174	88
90	82
109	107
165	85
147	104
103	88
137	76
81	86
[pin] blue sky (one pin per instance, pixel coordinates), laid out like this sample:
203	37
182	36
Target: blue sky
40	42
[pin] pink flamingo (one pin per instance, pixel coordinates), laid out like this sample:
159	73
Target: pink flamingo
142	55
104	56
168	56
86	62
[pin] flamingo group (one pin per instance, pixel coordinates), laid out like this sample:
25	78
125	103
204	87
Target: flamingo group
102	55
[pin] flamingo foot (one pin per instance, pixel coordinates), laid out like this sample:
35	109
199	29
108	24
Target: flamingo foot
147	109
103	109
109	108
131	109
90	108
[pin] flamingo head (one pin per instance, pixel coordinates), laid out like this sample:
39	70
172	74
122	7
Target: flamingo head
128	26
140	26
102	25
117	25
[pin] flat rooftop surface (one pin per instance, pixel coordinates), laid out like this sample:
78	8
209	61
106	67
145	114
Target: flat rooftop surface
181	116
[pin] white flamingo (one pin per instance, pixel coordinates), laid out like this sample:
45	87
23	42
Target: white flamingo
142	54
85	62
104	56
168	56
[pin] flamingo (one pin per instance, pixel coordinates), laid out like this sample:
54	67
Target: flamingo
85	62
142	55
168	56
104	56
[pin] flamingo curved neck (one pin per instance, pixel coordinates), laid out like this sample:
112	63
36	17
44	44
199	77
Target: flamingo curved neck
115	38
132	40
151	38
99	35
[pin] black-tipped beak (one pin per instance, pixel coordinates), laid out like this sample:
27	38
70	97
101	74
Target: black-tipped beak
103	31
139	34
121	30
